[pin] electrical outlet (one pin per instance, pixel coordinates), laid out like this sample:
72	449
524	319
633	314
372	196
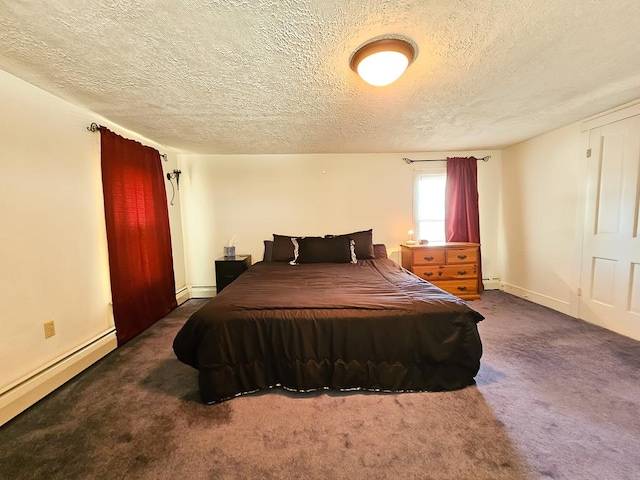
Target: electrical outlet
49	329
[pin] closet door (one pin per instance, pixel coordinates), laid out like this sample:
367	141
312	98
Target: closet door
610	280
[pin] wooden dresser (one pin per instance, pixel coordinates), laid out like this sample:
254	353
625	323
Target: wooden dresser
452	266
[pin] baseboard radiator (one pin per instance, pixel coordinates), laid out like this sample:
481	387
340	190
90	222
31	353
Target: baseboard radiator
491	283
182	295
20	395
23	393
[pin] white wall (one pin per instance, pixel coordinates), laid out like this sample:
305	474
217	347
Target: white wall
53	251
489	200
540	244
253	196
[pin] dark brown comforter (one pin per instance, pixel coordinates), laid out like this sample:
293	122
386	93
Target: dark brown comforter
370	325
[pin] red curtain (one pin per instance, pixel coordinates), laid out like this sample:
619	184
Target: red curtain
138	237
462	218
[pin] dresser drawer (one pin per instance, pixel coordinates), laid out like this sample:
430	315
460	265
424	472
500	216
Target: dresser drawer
462	255
458	272
428	257
461	288
446	272
429	273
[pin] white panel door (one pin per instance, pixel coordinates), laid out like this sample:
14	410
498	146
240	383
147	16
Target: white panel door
610	280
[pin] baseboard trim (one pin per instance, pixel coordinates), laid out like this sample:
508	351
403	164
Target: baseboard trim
553	303
27	391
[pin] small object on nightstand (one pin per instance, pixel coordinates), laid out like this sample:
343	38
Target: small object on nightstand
230	268
423	241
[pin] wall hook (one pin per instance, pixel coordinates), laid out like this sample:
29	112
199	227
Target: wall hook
175	174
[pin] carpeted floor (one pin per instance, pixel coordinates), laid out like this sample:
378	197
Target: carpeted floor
556	398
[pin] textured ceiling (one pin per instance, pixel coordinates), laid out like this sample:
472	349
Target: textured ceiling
273	76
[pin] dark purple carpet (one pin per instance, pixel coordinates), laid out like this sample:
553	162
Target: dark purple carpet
556	399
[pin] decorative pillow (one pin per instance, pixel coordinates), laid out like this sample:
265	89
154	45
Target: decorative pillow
282	250
268	251
364	243
324	250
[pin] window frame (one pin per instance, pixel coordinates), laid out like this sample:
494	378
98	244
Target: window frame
435	169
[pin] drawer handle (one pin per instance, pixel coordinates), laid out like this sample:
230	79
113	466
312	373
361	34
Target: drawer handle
462	257
462	272
462	289
428	259
428	274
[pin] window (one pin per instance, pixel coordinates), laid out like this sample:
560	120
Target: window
428	203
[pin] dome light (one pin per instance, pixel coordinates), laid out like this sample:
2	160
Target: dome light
383	61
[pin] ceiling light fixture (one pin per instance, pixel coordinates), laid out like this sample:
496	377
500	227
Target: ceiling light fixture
381	62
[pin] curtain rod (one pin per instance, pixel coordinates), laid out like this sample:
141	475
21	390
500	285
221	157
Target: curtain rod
94	127
409	161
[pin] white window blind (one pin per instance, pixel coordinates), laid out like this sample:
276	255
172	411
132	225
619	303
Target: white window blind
428	203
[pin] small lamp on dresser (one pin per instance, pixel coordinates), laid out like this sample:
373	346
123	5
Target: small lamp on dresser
411	241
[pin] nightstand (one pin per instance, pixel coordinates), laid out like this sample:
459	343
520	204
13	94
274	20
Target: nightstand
230	268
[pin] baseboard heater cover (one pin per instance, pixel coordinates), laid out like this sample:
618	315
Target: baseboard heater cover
182	295
202	291
25	392
491	283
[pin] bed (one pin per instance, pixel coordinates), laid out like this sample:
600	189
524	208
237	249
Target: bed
363	324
